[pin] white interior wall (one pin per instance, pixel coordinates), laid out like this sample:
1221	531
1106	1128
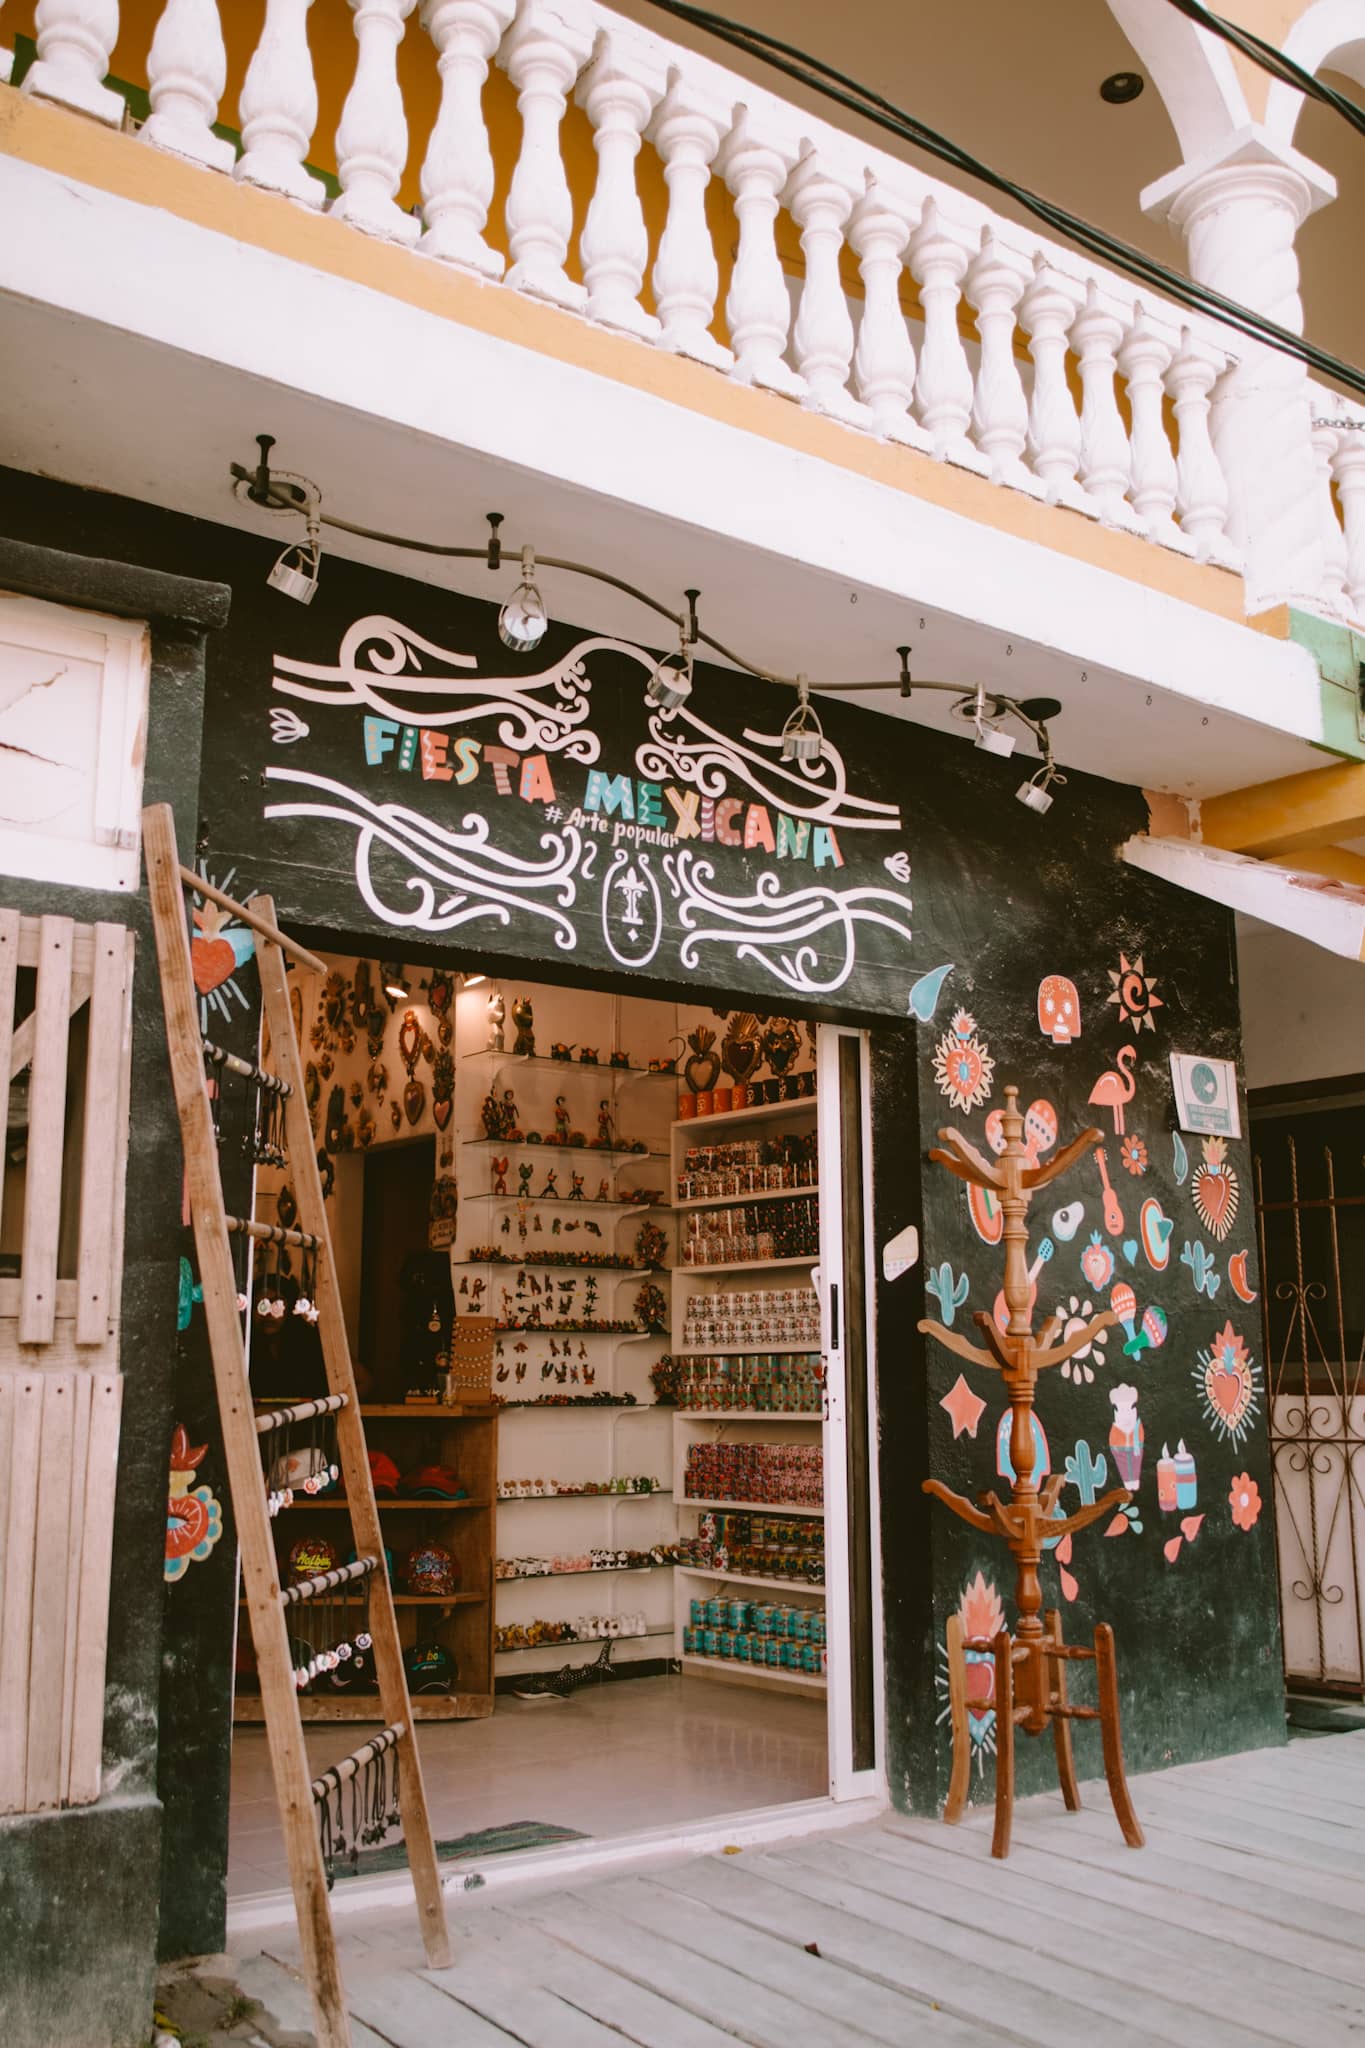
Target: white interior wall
1303	1009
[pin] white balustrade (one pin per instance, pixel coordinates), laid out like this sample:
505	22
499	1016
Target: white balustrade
280	106
686	131
1201	489
74	40
372	139
999	407
458	174
1005	409
1144	358
186	73
884	359
1106	467
618	96
1349	470
1333	588
757	308
1046	311
943	389
543	55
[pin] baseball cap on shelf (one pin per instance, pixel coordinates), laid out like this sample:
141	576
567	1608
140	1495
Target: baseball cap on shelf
383	1473
310	1556
430	1568
355	1673
433	1482
430	1668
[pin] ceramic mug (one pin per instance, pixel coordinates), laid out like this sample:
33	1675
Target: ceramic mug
722	1099
739	1096
687	1107
706	1101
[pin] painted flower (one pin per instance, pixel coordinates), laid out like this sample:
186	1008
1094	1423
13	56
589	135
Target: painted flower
1245	1501
963	1067
1133	1153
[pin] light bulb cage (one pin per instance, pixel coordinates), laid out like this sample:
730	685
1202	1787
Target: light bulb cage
671	683
523	621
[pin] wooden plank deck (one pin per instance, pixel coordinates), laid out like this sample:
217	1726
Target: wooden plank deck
1239	1923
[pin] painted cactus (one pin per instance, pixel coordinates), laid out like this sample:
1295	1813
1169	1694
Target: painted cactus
1086	1472
948	1290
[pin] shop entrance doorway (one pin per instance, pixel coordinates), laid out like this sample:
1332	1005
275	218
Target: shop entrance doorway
638	1578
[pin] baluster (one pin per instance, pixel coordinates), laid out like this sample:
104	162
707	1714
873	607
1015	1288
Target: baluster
1201	490
542	56
999	409
186	73
1105	462
618	96
943	388
372	139
1046	310
74	39
822	338
1144	360
686	131
757	307
279	106
457	177
1332	592
1350	476
884	360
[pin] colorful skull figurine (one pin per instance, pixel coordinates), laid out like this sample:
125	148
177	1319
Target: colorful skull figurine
1059	1009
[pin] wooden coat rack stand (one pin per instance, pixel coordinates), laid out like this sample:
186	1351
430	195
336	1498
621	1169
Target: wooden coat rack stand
1030	1665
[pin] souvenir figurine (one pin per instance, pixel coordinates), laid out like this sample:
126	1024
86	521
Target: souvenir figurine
587	1056
603	1190
490	1116
620	1059
561	1121
560	1051
524	1181
606	1128
497	1011
511	1121
499	1176
550	1191
576	1188
523	1021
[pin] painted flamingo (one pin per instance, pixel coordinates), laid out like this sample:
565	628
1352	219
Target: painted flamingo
1117	1086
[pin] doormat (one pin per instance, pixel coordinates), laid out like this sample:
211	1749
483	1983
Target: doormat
503	1841
1309	1716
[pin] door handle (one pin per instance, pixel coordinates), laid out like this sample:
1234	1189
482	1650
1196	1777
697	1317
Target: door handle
834	1316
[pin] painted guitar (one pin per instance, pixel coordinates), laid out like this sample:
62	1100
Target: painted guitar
1113	1214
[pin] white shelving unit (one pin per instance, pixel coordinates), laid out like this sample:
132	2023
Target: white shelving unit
589	1441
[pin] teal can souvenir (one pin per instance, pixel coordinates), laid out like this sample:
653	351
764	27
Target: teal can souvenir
741	1649
716	1611
698	1612
810	1658
709	1641
727	1643
801	1624
689	1639
772	1652
739	1614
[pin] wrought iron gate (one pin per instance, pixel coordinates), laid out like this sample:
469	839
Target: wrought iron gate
1311	1225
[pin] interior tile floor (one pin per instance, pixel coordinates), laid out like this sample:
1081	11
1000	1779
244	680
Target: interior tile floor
649	1752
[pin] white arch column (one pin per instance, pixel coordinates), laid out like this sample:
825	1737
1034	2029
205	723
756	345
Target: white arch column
1239	208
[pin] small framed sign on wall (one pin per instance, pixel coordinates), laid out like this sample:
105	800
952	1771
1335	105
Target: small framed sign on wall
1206	1094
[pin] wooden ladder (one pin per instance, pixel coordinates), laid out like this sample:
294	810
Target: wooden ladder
296	1790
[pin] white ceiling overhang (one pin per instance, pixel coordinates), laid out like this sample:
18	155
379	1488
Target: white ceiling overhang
1317	908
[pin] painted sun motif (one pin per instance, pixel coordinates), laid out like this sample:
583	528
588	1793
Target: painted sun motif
983	1617
1073	1315
1133	991
1215	1189
963	1067
1229	1381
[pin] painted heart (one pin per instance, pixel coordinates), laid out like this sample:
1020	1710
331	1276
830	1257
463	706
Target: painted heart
440	1111
1130	1250
414	1101
1171	1549
211	961
1191	1526
1225	1392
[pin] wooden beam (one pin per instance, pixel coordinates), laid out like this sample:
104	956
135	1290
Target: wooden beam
1317	808
1334	861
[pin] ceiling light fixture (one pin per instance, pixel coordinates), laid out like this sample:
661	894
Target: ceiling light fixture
803	736
523	620
1036	793
1121	88
985	720
395	981
472	980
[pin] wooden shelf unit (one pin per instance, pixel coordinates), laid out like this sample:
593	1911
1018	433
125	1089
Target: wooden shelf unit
464	1437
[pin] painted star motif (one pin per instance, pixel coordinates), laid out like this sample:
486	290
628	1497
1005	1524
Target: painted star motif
964	1408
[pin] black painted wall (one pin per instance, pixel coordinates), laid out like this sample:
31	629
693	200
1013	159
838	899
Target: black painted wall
79	1889
1004	898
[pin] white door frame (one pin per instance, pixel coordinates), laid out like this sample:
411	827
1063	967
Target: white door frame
846	1782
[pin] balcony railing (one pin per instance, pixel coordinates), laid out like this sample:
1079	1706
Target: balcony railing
855	285
1339	445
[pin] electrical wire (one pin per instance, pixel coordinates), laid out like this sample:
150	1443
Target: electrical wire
1272	60
831	84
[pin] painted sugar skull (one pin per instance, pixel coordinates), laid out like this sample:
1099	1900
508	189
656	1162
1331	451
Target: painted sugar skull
1059	1009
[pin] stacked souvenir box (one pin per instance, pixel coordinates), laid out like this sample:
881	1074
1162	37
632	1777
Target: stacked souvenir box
751	1632
757	1316
757	1546
747	1166
789	1474
777	1382
759	1230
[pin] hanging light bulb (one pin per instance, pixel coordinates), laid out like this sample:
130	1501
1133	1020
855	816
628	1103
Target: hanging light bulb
395	981
803	737
671	683
523	620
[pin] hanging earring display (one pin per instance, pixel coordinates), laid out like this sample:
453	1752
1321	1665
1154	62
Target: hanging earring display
305	1302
